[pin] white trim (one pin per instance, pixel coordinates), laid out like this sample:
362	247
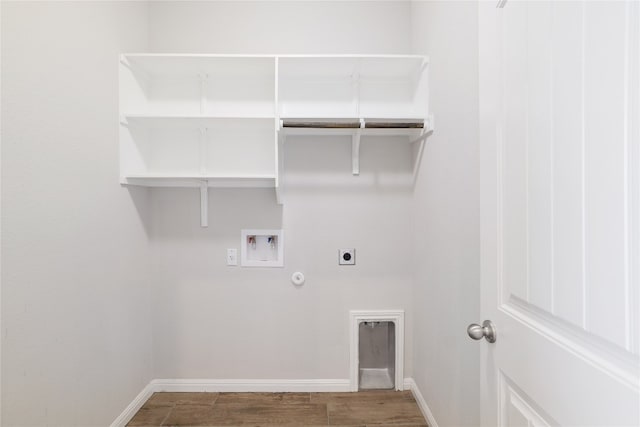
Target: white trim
510	394
235	385
410	384
603	357
358	316
133	407
1	334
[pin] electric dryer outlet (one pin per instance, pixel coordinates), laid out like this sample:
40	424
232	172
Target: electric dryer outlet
347	257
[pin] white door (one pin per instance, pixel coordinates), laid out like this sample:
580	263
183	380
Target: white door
560	195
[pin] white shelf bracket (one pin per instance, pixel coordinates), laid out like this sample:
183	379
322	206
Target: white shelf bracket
428	130
204	203
355	149
355	153
429	125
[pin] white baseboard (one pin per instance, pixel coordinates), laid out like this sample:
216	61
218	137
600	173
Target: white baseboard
410	384
249	385
133	407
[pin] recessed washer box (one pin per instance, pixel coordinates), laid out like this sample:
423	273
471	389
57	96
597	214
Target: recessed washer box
262	248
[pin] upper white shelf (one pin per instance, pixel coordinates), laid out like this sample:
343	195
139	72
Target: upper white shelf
194	65
177	85
358	86
363	67
274	85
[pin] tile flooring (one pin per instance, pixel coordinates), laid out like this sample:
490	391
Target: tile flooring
362	409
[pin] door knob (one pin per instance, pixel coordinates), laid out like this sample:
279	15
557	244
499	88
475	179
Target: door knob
487	330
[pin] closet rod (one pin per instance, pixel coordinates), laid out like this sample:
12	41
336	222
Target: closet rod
353	125
321	125
394	125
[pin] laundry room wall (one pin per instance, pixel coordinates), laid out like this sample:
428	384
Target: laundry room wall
446	216
76	320
212	321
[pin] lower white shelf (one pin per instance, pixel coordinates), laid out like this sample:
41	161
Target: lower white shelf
255	181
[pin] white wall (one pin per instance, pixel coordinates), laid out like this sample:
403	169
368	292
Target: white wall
281	27
446	209
214	321
76	330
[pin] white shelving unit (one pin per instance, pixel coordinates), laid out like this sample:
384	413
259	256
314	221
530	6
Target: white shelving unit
221	120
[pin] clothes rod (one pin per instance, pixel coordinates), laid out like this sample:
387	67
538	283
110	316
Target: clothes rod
394	125
321	125
353	125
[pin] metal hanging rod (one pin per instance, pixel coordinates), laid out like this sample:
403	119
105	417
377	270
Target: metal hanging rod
395	125
322	124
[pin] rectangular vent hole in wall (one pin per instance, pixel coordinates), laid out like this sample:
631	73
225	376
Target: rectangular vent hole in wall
377	358
376	348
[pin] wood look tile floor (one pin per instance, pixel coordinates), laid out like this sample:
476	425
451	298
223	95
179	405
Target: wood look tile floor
361	409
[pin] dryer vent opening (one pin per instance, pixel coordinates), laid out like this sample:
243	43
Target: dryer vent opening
377	358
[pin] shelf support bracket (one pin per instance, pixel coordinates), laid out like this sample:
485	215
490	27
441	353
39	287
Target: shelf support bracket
355	150
204	203
355	153
426	131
